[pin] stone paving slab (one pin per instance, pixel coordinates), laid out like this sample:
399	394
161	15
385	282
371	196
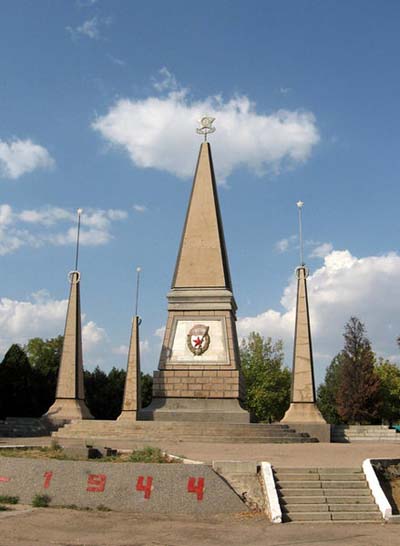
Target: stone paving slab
152	488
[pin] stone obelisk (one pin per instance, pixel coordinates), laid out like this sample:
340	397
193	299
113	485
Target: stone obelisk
199	376
303	408
132	398
70	394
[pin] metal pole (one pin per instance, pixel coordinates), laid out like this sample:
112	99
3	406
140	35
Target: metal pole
300	205
79	211
138	270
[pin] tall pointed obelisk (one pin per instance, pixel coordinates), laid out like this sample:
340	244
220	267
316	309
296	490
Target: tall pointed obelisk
132	399
303	408
199	375
70	395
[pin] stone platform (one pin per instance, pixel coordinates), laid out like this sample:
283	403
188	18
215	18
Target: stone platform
200	432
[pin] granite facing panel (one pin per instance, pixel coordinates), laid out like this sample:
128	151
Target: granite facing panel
130	487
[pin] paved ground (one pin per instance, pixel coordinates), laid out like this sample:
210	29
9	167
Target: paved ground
62	527
282	455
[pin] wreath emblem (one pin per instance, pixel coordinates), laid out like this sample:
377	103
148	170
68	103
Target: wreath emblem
198	339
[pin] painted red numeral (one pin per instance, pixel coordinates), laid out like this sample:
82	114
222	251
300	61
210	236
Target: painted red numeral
96	483
146	487
4	479
47	479
197	488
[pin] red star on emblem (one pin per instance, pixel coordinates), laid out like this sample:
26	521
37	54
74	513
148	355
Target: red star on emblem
197	342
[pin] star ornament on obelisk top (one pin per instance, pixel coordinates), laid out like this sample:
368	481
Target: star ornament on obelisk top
303	408
70	394
206	127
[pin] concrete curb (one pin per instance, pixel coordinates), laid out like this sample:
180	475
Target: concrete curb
376	489
271	493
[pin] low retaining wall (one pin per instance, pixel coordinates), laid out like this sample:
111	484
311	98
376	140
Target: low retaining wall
152	488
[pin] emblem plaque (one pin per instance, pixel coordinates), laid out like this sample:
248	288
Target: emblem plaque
198	339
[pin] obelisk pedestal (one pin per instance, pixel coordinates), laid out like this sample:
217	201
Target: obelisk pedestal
70	394
199	376
303	412
132	399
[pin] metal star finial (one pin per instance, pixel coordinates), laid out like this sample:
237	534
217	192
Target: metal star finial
206	126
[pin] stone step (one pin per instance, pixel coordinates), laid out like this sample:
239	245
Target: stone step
320	477
357	516
320	507
307	516
331	500
316	470
283	484
306	492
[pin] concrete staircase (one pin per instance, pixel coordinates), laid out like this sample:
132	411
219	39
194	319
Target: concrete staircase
325	494
23	427
183	431
364	433
243	478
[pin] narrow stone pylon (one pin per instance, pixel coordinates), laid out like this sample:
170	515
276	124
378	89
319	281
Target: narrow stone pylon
70	394
132	399
303	408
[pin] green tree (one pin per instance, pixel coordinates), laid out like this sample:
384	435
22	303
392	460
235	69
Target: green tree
389	375
16	396
328	391
45	357
146	384
358	399
267	380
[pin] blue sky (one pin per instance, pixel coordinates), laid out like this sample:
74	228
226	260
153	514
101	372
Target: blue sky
99	104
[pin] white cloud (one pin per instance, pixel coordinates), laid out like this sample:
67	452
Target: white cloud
284	244
285	90
121	350
344	286
322	250
92	335
18	157
160	332
91	28
14	233
166	81
116	60
158	132
139	208
41	316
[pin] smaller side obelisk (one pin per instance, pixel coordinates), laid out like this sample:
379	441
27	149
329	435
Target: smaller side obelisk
303	408
132	400
70	394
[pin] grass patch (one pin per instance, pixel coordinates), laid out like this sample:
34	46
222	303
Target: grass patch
103	508
148	455
8	499
41	501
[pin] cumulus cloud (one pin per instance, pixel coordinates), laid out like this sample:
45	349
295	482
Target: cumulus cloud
320	251
41	316
92	335
158	132
35	227
19	157
342	287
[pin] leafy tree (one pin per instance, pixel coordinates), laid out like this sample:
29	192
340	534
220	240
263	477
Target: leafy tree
389	375
358	398
45	357
267	380
16	398
328	391
146	384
